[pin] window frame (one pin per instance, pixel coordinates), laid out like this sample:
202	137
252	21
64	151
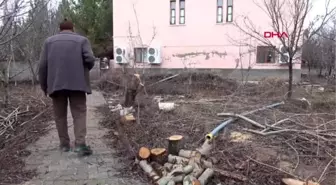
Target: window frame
219	7
172	12
143	54
263	52
229	6
182	9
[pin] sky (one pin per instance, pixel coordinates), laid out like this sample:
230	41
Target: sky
319	8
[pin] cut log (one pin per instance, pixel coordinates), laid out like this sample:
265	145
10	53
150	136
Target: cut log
188	169
187	153
149	170
144	153
159	155
178	178
206	176
213	160
171	182
163	181
176	175
168	166
205	148
197	170
196	163
206	164
159	169
129	118
173	144
190	180
196	159
177	159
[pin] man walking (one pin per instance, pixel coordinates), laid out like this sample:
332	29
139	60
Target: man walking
65	62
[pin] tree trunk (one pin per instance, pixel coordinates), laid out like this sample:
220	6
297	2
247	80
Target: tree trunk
290	78
309	67
130	97
6	95
34	76
132	86
320	73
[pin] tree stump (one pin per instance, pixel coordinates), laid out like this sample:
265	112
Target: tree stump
173	144
132	87
159	155
144	153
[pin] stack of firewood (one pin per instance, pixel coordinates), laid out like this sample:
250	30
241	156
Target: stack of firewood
176	166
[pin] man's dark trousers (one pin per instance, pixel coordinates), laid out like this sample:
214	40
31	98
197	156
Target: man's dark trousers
77	100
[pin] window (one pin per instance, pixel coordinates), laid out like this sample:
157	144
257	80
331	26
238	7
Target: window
140	55
229	11
219	11
172	12
182	12
266	54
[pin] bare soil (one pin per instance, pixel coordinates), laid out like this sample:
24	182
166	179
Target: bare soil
261	159
22	122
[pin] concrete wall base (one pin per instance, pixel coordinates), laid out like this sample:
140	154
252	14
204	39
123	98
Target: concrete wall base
250	75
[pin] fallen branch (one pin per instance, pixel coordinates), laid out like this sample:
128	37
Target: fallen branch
165	79
287	130
275	168
242	117
325	169
275	124
230	175
37	115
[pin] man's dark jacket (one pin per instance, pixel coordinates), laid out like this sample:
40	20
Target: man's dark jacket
65	62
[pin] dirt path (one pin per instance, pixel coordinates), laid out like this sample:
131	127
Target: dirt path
55	167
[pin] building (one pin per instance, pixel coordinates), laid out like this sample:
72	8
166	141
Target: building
174	35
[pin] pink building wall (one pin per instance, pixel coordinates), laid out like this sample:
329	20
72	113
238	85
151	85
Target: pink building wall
200	42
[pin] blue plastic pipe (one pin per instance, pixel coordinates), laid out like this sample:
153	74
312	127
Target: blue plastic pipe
215	131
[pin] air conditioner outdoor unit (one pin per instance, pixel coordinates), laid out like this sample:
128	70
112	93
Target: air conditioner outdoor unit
283	56
120	55
154	55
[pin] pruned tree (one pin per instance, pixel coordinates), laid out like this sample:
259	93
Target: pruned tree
44	24
290	16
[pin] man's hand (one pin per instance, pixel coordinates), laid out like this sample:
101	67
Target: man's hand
88	57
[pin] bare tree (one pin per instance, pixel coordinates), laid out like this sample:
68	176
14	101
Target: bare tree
14	23
288	16
319	52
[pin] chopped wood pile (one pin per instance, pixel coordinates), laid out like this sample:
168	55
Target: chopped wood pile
176	165
173	165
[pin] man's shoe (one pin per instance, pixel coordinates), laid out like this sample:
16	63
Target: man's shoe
83	150
65	148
